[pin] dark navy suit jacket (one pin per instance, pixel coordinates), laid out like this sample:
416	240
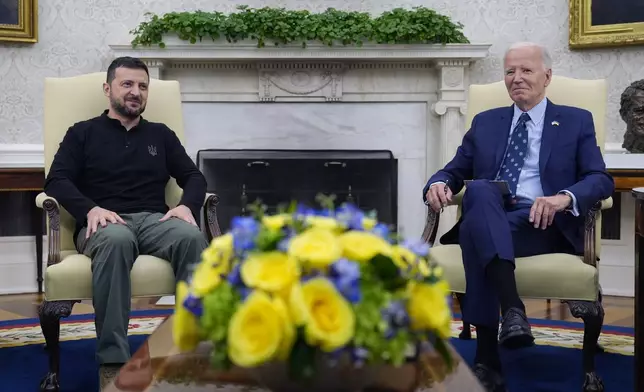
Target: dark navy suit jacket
569	159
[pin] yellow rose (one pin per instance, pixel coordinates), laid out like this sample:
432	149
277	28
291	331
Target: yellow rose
259	331
276	222
404	259
315	246
368	223
273	271
429	310
215	261
297	306
287	328
185	330
328	319
322	222
362	246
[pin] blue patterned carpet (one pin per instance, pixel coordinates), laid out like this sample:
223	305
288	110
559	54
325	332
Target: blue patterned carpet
553	364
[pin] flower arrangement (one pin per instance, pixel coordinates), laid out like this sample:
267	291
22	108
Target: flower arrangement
296	286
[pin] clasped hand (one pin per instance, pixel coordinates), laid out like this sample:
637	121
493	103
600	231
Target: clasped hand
100	216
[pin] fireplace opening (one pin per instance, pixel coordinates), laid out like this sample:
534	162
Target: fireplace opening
369	179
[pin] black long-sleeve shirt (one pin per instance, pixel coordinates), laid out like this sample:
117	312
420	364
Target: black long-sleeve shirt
100	163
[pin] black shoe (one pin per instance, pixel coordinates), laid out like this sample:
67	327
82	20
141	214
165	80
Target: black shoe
490	379
515	330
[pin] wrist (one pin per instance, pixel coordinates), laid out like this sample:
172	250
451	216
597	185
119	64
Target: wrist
568	199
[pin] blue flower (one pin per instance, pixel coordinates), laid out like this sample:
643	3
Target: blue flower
244	231
324	212
345	276
234	277
346	269
396	317
420	248
359	355
194	305
381	230
302	211
350	216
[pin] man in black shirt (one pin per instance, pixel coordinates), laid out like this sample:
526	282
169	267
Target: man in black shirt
110	174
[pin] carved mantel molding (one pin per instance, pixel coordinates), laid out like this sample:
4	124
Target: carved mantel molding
325	74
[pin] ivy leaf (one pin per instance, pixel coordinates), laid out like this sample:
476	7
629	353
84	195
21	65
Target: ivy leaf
302	359
281	26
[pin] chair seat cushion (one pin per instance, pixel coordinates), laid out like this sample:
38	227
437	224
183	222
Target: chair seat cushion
550	276
72	277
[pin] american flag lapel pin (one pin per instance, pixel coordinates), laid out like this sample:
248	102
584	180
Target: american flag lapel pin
555	123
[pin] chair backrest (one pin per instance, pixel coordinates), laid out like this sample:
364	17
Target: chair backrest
78	98
591	95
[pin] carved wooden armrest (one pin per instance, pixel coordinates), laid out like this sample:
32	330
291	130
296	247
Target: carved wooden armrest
210	216
431	224
590	254
52	209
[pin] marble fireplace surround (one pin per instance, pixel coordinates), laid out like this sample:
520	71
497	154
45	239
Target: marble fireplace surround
409	99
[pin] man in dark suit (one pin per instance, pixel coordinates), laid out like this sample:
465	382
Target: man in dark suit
555	172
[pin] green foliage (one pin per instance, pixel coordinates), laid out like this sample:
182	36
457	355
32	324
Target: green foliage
302	359
267	239
387	271
280	26
218	307
371	329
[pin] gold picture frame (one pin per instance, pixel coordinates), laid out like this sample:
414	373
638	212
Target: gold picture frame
19	21
587	32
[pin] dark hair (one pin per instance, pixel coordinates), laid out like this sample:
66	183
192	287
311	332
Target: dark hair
125	62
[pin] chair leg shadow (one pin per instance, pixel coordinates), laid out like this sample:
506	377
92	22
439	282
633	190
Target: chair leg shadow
592	313
49	314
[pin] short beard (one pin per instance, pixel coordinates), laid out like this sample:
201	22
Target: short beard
124	111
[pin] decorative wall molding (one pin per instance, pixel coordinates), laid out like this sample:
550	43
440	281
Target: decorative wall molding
21	155
294	80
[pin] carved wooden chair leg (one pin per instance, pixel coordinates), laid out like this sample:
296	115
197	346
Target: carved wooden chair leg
50	314
592	313
466	333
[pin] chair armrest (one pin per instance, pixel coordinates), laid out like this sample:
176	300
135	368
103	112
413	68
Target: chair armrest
590	236
606	203
433	218
52	210
210	216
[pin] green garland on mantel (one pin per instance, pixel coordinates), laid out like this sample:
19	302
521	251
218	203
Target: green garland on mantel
419	25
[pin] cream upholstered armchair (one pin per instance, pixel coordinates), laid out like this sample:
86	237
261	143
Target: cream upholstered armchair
68	276
569	278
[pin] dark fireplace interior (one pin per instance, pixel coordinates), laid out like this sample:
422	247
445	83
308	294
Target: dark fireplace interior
368	179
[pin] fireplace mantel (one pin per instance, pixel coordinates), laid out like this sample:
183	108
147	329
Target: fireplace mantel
293	73
421	87
178	51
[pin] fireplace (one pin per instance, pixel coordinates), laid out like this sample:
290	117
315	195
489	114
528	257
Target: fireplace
369	179
407	99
